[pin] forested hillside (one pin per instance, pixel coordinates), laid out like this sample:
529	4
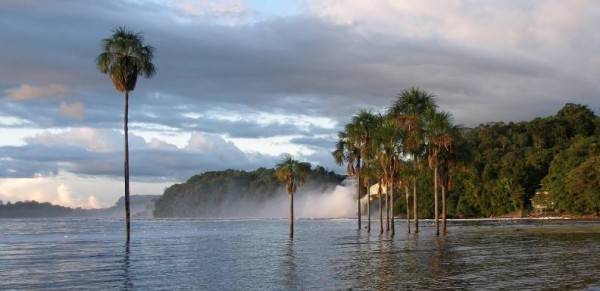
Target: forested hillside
232	192
508	162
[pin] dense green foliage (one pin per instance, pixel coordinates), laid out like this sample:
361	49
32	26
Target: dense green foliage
503	165
511	161
492	170
233	192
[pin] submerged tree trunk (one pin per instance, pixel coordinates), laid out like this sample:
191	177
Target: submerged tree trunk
380	209
407	209
291	214
435	194
368	206
387	209
358	186
391	193
415	207
443	208
126	167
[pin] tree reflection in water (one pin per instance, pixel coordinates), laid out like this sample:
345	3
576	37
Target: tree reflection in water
289	267
127	285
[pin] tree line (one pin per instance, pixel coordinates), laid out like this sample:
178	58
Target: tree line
234	192
414	150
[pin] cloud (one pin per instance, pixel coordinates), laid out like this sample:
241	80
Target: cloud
286	84
87	151
89	139
72	110
74	190
230	11
63	196
26	92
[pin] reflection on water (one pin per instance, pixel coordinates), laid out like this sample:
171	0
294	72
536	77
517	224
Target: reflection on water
289	266
324	254
126	280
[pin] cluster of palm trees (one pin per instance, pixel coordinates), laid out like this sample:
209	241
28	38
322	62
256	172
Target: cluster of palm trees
389	150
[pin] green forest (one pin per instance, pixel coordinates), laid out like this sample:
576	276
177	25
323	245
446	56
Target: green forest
492	170
233	192
510	162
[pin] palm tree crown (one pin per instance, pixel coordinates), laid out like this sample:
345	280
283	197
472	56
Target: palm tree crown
124	57
291	172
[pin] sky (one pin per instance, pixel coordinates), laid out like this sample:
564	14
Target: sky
240	83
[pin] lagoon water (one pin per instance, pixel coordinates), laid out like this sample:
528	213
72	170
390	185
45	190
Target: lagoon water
201	254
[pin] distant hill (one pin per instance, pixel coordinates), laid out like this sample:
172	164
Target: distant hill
141	206
34	209
233	192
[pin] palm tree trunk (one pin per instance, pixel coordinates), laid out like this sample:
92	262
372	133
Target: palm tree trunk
444	207
291	215
387	209
380	208
435	191
415	209
368	206
126	167
358	202
391	193
407	209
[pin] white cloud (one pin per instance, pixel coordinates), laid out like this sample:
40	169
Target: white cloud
92	139
74	191
72	110
63	196
227	11
92	202
274	146
91	151
27	92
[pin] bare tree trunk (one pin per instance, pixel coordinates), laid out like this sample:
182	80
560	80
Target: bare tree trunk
415	207
368	206
444	207
291	215
435	191
407	209
126	166
380	208
358	194
391	193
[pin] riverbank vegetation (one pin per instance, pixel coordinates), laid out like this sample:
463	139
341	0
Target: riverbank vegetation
488	171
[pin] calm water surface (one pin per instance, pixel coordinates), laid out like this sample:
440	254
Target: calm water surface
89	254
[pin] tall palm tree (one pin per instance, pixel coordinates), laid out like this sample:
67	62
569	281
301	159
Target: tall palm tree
438	138
409	110
370	173
347	151
379	193
293	173
360	133
124	57
386	150
407	209
452	158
